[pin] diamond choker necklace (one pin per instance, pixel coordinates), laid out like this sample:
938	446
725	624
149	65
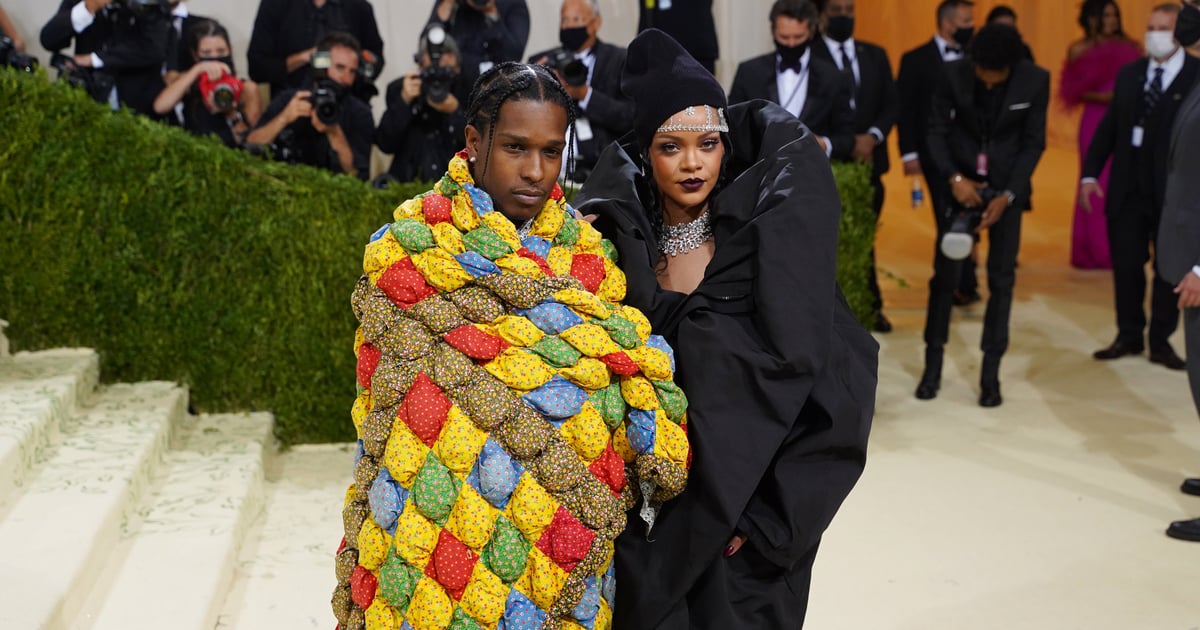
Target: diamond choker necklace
674	240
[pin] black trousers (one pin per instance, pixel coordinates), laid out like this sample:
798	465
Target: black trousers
1004	240
1132	228
939	197
872	275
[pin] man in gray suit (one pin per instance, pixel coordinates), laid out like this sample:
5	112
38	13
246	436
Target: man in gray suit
1179	237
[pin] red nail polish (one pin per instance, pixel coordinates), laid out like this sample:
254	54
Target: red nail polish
729	551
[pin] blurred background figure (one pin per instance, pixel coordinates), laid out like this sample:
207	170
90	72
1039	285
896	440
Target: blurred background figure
424	121
1087	79
214	100
1004	14
487	31
690	22
9	30
590	71
875	102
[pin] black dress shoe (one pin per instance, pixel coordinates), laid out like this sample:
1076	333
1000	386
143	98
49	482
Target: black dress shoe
961	298
927	390
882	324
1191	486
1167	358
1185	530
1117	350
990	396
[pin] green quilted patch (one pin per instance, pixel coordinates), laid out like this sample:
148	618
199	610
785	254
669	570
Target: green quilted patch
556	352
487	243
569	234
414	236
447	186
435	490
462	621
622	331
610	404
507	551
610	250
672	399
397	581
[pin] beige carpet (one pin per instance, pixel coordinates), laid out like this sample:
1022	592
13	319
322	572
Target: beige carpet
1045	513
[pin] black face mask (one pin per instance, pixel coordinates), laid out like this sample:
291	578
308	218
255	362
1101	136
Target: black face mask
839	28
1187	27
963	35
573	38
791	54
225	60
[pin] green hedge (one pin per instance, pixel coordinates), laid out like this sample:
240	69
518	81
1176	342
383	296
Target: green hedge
178	259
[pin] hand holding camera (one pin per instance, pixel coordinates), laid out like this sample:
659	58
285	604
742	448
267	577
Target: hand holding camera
966	191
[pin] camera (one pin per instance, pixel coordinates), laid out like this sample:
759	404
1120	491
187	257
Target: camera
224	93
13	58
326	93
139	6
573	71
436	80
70	72
957	242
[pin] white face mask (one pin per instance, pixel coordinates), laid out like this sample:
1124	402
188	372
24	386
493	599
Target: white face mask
1160	44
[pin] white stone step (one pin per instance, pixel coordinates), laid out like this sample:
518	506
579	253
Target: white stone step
285	572
3	341
38	392
175	565
57	534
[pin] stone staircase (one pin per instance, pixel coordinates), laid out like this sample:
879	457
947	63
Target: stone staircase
119	509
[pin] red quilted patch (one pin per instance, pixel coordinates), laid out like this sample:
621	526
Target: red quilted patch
556	193
362	587
610	469
368	360
424	409
451	564
436	208
403	284
589	269
341	547
566	541
620	363
525	252
475	343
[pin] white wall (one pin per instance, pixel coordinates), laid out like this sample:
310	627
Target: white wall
741	24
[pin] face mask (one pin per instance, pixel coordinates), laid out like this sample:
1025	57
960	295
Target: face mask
839	28
573	38
791	54
1187	28
963	35
225	60
1160	44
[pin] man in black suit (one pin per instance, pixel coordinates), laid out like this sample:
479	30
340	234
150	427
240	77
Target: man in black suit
811	88
987	131
1135	132
690	22
592	78
919	75
488	32
875	104
123	48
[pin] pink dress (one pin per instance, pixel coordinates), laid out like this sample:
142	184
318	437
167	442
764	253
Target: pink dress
1093	71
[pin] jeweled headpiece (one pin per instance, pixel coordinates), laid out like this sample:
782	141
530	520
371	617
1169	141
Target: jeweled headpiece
662	80
673	124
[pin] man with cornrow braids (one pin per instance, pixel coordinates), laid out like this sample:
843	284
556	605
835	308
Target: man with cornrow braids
511	408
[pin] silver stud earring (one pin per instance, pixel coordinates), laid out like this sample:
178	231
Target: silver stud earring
472	160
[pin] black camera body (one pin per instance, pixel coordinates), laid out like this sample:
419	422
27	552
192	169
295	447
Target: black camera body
139	6
13	58
573	71
326	96
71	73
958	240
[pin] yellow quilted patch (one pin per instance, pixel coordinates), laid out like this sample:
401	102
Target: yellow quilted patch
362	407
560	259
620	442
463	214
381	616
548	223
604	616
590	339
430	608
448	238
586	433
672	442
416	536
373	545
583	303
641	324
404	455
484	597
614	286
441	270
588	373
381	254
654	363
518	331
351	494
519	369
519	265
503	227
589	239
472	519
639	392
542	580
531	508
459	443
410	209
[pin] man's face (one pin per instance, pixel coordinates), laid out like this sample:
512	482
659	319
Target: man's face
992	78
448	60
790	32
343	65
577	13
961	17
1162	21
835	8
519	164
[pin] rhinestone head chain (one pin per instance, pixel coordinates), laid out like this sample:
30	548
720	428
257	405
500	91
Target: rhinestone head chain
674	240
721	125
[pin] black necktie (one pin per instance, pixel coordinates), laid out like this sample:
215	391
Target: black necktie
847	64
1154	92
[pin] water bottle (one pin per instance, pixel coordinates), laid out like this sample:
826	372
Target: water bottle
918	193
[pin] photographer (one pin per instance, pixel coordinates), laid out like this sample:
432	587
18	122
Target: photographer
214	100
487	31
322	125
987	131
424	121
120	47
590	71
7	29
285	33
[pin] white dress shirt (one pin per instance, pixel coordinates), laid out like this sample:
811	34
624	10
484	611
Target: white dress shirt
792	85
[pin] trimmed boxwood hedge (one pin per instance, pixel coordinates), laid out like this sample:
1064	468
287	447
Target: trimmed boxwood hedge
179	259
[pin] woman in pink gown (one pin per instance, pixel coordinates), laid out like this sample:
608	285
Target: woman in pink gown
1087	79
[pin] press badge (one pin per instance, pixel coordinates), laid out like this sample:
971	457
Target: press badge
981	164
583	130
1139	134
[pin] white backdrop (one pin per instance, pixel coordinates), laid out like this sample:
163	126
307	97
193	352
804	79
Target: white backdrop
741	24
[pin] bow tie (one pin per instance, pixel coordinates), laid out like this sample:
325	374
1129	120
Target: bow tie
795	66
954	49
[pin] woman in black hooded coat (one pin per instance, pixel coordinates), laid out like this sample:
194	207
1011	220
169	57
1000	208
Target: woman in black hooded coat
780	376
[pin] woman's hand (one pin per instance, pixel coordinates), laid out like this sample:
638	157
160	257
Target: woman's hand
734	545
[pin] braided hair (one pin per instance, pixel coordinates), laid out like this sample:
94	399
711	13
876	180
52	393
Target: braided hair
512	81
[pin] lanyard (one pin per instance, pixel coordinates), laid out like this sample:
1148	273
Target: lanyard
796	90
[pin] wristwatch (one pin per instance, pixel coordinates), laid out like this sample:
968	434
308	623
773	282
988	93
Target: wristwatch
1012	197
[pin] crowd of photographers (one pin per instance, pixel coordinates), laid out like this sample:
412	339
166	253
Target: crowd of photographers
320	60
